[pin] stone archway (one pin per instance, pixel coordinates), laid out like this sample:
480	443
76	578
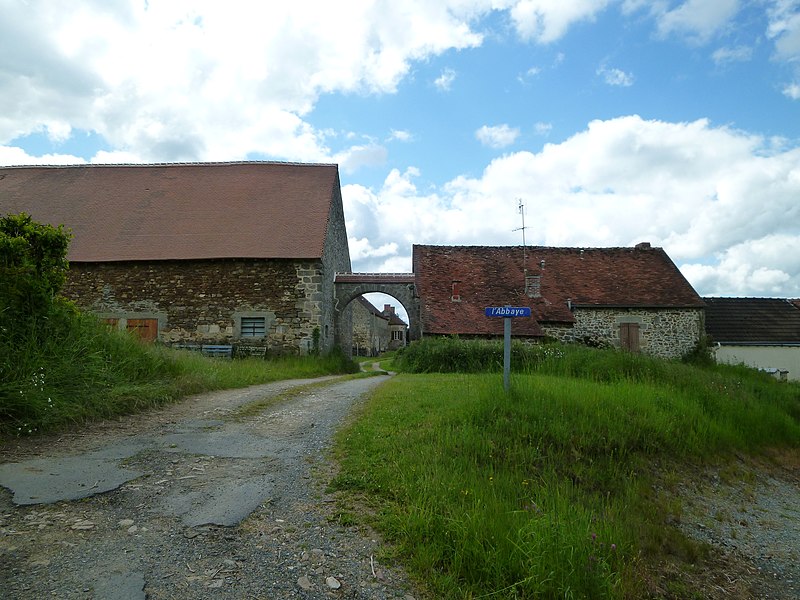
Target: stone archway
348	286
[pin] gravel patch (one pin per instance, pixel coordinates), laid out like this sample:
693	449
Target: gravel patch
217	507
749	513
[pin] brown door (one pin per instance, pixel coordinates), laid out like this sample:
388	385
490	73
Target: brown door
629	336
145	329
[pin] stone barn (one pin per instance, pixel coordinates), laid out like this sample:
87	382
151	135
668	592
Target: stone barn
231	255
630	298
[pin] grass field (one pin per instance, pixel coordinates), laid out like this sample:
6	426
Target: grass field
546	492
79	371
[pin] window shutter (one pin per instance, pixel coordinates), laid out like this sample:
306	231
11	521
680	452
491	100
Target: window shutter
254	327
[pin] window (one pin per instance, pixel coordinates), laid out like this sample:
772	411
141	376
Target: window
629	336
397	334
254	327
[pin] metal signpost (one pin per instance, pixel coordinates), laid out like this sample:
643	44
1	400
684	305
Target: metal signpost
507	313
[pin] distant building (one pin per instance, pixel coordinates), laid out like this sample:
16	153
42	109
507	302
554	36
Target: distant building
631	298
242	254
398	329
370	329
758	332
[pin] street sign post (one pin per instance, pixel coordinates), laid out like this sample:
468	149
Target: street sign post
507	313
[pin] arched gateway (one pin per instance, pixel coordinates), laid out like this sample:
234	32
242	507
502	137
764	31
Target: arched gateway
348	286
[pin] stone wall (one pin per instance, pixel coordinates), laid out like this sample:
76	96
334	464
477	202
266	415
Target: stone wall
335	258
370	331
201	301
667	333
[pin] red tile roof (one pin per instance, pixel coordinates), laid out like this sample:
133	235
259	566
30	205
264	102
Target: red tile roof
640	277
179	211
753	320
370	308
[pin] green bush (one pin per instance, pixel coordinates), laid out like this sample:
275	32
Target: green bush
33	268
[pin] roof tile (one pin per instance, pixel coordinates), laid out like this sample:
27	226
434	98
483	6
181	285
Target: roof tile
640	277
753	320
179	211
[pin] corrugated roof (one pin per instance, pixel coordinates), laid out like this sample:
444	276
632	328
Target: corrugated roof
752	320
179	211
640	277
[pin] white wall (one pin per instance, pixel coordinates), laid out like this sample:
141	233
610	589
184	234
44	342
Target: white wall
786	358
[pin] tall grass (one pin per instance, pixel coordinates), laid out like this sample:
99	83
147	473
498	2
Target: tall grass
545	492
72	369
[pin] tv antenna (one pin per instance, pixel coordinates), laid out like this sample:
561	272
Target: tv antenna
521	209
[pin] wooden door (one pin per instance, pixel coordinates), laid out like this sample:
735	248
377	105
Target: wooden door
629	336
145	329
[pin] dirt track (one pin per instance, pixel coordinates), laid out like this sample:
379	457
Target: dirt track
200	504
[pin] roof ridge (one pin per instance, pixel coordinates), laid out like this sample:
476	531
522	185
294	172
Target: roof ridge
173	164
537	247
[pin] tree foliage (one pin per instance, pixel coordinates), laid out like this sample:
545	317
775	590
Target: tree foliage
33	267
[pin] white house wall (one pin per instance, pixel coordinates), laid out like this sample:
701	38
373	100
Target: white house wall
785	358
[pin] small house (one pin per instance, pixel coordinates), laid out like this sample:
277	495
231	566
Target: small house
763	333
631	298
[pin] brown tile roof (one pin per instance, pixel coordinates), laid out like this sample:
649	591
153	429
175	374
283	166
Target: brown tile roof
179	211
752	320
370	308
394	318
640	277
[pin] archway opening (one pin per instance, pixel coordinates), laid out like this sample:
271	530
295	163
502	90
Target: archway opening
380	324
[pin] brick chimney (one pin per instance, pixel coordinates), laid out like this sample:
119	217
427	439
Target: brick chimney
388	309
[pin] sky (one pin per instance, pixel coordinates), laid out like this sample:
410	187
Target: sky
612	122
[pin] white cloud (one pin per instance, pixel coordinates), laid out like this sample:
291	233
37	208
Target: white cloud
784	28
792	91
445	81
725	55
355	157
763	267
697	20
616	77
720	201
204	80
10	155
543	128
400	135
545	21
498	136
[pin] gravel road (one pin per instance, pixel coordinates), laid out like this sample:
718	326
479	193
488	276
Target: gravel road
195	501
190	501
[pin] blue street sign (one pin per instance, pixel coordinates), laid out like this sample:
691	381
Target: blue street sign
508	311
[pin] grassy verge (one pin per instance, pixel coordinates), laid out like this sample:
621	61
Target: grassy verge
77	370
547	492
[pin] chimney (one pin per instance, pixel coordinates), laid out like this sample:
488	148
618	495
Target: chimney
643	246
388	309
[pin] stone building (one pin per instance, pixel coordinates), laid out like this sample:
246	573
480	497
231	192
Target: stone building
631	298
398	329
239	254
370	329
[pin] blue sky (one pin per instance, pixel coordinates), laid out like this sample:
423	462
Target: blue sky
614	121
